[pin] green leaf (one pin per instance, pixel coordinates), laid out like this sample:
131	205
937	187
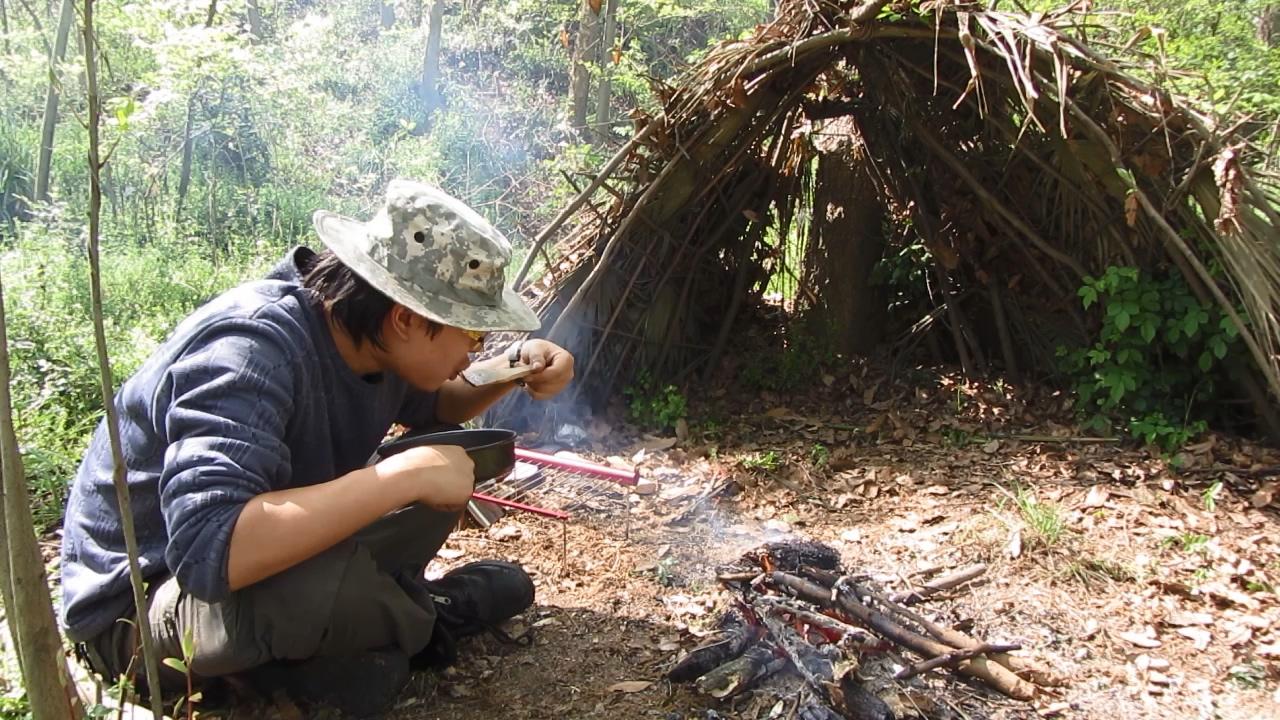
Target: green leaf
176	664
1219	347
1122	320
1088	295
188	643
1149	331
1206	361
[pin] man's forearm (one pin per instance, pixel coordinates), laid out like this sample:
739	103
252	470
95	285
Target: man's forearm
280	529
458	401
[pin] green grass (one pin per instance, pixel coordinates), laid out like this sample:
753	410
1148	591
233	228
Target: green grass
1042	518
56	386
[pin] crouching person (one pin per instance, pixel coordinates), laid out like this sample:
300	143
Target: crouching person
264	534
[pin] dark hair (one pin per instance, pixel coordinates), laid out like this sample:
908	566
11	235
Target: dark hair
352	302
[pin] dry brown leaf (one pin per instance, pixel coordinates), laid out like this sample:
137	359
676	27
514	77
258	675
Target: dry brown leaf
1097	497
1198	636
1139	640
1265	495
1184	619
630	686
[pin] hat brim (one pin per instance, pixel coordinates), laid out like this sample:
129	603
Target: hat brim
343	236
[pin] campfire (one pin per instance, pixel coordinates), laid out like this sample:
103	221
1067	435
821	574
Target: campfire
797	610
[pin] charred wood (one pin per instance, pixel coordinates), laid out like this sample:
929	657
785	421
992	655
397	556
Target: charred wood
793	555
741	673
862	704
735	637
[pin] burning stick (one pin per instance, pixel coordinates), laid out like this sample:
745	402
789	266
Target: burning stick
731	678
952	658
736	635
994	674
1025	668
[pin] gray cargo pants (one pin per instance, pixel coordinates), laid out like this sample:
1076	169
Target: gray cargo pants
361	594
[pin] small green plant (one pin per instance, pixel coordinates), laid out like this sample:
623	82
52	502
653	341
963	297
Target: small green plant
1190	542
1158	349
819	455
1201	574
1044	519
1250	675
765	462
1258	587
665	572
13	705
957	437
183	666
654	406
1210	496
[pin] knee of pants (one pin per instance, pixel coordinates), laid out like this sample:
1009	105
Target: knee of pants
291	611
336	603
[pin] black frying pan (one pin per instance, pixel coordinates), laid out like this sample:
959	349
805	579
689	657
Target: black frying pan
492	450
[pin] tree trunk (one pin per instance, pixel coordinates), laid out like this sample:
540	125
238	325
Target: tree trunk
585	52
846	240
430	88
184	172
1269	25
4	25
386	14
50	123
606	65
151	662
254	15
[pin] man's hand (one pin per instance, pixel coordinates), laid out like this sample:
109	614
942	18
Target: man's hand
441	477
552	368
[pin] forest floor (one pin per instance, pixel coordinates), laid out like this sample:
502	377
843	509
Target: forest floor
1153	590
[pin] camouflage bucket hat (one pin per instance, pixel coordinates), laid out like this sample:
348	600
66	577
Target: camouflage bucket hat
431	253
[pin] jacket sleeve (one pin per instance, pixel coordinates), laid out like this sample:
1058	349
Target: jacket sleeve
229	403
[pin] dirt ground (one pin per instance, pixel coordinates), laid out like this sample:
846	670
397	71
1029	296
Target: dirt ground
1148	581
1152	589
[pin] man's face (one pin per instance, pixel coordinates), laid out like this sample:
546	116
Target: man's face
424	360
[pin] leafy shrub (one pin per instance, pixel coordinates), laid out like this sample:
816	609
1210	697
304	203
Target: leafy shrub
1158	350
652	405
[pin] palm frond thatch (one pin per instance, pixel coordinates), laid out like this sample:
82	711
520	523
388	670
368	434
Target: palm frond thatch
1013	147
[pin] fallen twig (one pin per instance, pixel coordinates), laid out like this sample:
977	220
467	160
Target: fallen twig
933	587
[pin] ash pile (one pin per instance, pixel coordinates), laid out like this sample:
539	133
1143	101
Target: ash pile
836	641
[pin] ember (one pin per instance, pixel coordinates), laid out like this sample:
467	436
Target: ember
799	611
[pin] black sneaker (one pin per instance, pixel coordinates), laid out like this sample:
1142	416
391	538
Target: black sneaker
477	597
364	685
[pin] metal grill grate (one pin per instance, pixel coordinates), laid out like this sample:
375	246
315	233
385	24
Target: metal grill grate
556	487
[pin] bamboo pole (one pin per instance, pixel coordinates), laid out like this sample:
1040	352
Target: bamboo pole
50	121
151	662
578	201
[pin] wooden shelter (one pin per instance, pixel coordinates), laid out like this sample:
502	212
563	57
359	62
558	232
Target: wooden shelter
1006	145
